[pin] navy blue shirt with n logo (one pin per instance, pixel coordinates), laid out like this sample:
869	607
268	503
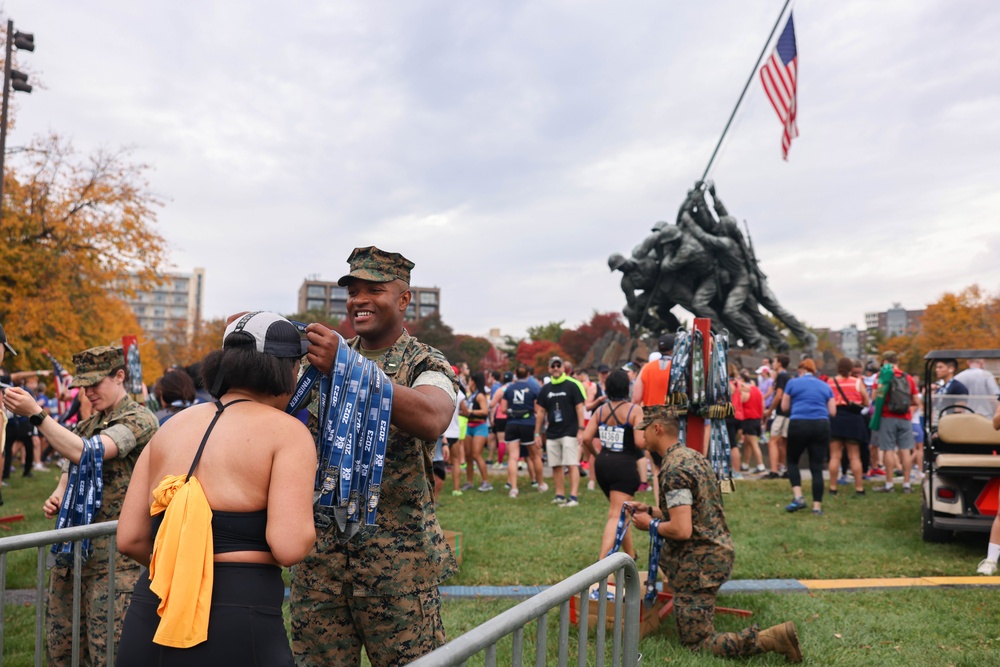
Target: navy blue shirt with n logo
520	399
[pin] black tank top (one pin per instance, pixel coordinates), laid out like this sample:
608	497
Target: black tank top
231	531
618	438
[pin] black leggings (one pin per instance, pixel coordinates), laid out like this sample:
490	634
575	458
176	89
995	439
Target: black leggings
812	436
245	624
17	432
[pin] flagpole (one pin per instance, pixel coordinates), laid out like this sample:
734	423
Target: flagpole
745	87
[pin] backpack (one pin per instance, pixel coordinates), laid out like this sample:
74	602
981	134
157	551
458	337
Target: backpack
899	399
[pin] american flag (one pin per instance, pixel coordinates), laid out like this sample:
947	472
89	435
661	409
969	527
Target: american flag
779	78
62	378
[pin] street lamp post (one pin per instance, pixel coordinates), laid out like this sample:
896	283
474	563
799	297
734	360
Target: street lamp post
12	79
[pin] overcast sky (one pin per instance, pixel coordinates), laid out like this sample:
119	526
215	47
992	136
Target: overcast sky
509	147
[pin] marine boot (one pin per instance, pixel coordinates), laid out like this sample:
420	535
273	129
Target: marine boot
781	639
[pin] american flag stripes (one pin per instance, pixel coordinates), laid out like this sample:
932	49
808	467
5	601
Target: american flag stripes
62	379
779	78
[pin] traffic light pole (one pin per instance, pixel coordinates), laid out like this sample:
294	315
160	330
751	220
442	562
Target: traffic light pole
3	113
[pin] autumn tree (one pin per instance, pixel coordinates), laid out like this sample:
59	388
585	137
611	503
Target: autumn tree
73	226
432	331
183	351
536	354
577	342
966	320
550	332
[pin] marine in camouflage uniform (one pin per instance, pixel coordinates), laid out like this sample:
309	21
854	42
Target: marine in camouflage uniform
380	589
697	566
129	426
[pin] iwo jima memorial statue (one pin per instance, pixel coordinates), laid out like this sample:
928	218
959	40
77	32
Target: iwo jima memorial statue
705	265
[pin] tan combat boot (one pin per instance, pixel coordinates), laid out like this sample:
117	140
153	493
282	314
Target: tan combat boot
782	639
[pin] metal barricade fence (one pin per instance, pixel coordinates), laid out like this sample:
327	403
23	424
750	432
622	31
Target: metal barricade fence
512	622
625	635
41	541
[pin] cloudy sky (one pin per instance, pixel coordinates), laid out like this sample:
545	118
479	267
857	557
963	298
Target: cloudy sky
509	147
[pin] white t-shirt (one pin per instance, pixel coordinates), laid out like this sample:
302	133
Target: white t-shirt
452	431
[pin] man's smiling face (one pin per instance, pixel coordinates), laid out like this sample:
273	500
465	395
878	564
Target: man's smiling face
376	310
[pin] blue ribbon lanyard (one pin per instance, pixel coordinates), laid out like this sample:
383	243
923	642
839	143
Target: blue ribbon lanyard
378	455
84	494
655	542
363	458
624	521
355	406
698	394
331	390
354	426
341	421
302	389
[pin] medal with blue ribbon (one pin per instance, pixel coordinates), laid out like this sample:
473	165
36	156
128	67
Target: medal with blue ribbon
82	497
354	411
655	542
624	521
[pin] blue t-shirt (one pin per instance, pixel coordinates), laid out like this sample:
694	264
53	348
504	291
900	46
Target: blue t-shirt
520	399
809	396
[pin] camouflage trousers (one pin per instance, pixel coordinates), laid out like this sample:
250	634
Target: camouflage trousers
330	629
93	615
695	614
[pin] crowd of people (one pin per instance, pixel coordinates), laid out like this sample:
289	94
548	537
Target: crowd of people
212	482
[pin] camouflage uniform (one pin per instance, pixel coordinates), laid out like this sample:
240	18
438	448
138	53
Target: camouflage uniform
696	567
381	588
131	426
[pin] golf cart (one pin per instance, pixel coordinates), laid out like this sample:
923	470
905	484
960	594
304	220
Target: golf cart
961	456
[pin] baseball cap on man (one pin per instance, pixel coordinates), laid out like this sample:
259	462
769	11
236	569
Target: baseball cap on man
270	333
666	343
377	266
555	360
95	364
3	339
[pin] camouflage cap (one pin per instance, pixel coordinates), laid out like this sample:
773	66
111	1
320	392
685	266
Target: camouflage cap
654	412
377	266
95	364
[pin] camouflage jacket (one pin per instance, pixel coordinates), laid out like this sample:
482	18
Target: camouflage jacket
117	471
407	551
705	560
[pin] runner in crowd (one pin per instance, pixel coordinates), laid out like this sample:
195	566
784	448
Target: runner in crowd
847	427
478	403
612	438
518	403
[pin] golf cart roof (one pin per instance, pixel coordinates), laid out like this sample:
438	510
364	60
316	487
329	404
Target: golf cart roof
963	354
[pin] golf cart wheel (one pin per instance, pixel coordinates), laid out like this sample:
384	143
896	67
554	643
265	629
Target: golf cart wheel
927	530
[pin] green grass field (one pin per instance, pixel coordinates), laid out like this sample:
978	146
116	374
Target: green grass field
529	541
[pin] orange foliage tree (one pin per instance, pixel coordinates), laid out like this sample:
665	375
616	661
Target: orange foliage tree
969	319
72	228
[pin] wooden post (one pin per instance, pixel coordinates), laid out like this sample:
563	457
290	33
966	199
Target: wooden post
696	425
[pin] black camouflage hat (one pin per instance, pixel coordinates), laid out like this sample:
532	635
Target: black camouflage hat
653	412
95	364
377	266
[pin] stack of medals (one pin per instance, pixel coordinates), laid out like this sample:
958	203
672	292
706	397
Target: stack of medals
706	396
678	388
355	404
716	409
